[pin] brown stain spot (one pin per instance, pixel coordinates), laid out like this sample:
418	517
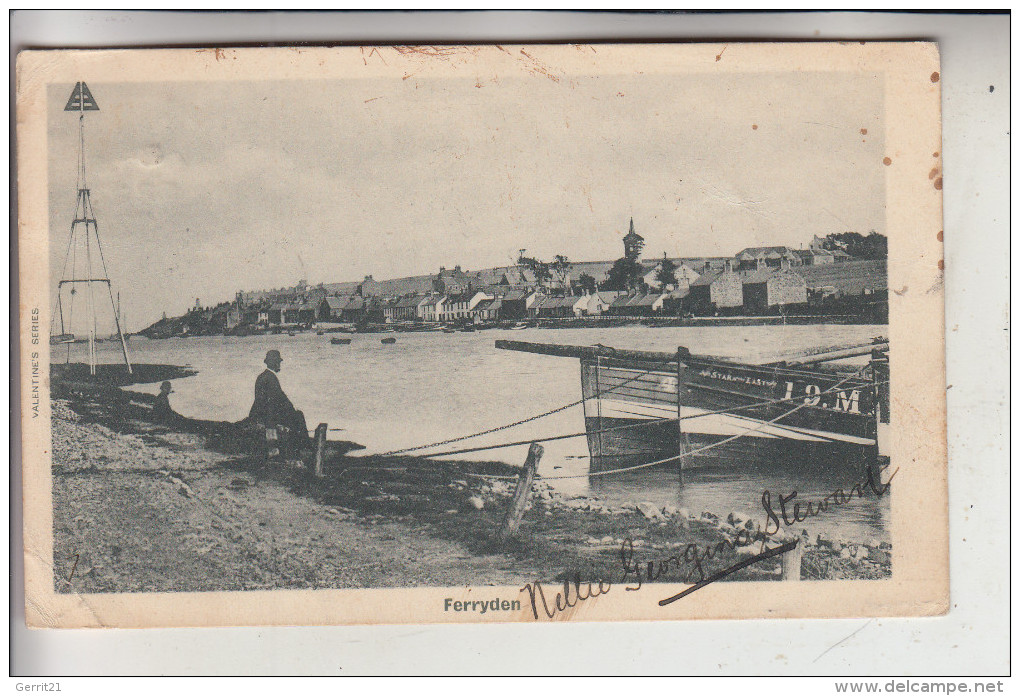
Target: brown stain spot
933	173
934	77
619	94
536	67
938	184
718	56
939	236
887	161
864	131
934	154
372	99
218	52
754	126
942	265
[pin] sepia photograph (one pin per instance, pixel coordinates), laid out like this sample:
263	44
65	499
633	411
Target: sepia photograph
530	332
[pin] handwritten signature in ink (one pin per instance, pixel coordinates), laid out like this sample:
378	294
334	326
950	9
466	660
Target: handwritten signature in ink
689	565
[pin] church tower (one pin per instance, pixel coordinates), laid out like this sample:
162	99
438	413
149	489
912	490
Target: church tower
633	243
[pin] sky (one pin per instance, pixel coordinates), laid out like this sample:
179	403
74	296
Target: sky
202	189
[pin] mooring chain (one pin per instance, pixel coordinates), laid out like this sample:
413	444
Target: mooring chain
510	425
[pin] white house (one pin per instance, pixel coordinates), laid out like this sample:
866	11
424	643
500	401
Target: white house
427	301
433	308
596	303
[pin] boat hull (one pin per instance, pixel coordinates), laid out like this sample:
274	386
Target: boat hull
717	411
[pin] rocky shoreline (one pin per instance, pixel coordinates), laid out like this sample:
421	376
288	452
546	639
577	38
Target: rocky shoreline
142	507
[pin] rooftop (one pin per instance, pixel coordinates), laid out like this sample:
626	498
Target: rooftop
850	278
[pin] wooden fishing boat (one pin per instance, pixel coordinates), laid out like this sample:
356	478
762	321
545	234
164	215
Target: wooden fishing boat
340	341
648	405
59	339
388	341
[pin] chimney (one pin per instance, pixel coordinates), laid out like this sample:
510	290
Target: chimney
729	265
784	263
367	278
457	268
708	266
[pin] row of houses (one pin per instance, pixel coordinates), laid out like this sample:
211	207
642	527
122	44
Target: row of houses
455	281
754	288
756	278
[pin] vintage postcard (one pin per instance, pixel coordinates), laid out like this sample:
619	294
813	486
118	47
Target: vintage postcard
416	334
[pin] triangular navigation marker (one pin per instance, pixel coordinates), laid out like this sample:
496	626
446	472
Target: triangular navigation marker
81	99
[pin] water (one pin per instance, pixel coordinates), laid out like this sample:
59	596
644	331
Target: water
433	386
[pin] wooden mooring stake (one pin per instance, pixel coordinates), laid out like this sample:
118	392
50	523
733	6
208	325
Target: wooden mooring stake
521	496
320	448
791	560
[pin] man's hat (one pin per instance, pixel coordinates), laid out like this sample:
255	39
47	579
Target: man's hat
273	355
166	387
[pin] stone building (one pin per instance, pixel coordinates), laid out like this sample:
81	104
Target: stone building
716	290
767	287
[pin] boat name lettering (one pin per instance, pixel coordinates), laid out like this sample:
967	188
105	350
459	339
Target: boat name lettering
743	379
844	401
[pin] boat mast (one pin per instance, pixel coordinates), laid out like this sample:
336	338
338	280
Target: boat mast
84	223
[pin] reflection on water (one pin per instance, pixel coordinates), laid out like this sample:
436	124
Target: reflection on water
433	386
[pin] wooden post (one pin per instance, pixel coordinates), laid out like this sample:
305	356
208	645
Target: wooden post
272	443
790	561
520	500
320	448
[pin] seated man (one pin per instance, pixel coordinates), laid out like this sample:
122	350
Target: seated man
162	412
272	408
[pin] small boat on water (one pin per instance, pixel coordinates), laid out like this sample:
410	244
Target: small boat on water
467	329
59	339
518	327
643	405
291	333
340	341
388	341
449	330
